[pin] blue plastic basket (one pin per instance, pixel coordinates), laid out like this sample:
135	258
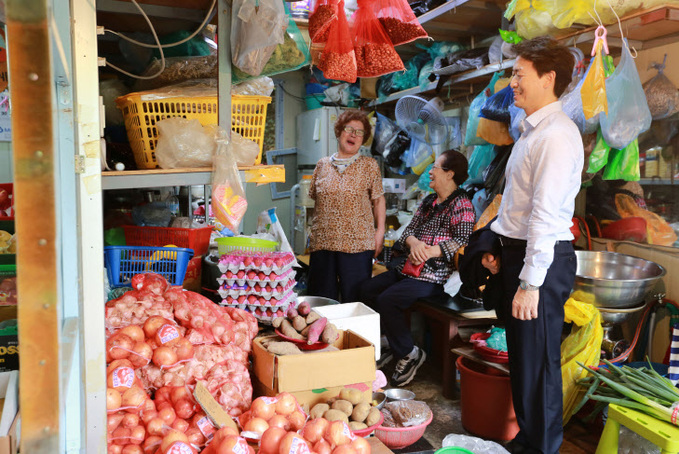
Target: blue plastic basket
123	262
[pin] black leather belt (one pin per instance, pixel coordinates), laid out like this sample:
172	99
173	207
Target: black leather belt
505	241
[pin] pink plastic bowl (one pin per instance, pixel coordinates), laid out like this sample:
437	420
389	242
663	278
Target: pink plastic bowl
400	437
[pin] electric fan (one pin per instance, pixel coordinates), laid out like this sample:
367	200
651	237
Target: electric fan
422	119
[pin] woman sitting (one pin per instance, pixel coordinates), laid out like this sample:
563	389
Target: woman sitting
441	225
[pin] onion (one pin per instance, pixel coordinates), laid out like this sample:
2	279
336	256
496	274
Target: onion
121	379
121	436
164	356
116	364
164	404
293	443
271	439
137	435
322	447
263	407
152	324
180	392
180	424
134	332
134	397
147	416
151	444
130	420
361	445
183	349
142	354
338	433
171	437
132	449
114	449
184	408
120	346
168	415
297	420
156	427
344	449
195	436
232	444
113	399
315	429
279	421
163	394
286	404
113	421
257	425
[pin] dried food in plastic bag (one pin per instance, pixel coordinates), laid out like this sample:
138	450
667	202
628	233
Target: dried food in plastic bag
399	21
571	104
228	197
661	94
408	413
338	60
384	131
388	418
184	143
517	116
628	114
257	27
323	14
375	54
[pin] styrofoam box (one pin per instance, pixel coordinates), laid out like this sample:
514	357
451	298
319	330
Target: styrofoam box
357	317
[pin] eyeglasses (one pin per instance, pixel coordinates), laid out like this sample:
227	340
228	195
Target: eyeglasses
439	167
356	132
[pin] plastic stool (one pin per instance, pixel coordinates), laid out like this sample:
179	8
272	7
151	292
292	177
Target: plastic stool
660	433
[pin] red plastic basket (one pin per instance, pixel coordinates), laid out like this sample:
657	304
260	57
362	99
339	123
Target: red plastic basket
8	213
196	239
489	354
400	437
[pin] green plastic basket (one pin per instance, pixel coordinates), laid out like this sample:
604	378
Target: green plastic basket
228	245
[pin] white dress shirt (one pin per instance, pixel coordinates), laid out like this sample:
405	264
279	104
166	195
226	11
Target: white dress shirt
542	181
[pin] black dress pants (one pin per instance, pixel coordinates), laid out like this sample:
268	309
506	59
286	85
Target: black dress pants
333	273
534	348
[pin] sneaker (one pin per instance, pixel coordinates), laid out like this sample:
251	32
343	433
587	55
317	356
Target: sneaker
407	366
385	358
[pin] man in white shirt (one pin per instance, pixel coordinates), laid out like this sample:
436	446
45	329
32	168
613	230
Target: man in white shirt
537	262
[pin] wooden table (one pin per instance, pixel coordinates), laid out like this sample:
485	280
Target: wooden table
469	352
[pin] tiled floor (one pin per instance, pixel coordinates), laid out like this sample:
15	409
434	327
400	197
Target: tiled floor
578	439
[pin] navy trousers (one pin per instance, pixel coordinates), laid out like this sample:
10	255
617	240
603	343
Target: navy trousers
534	348
390	294
332	273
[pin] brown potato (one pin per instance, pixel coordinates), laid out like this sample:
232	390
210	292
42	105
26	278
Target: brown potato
373	417
336	415
353	395
344	406
354	425
318	410
360	412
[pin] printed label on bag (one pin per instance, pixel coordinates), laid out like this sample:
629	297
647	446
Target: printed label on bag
206	427
166	333
179	447
123	376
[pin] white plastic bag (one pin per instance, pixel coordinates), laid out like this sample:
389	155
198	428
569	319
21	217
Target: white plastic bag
228	197
476	445
268	222
245	151
257	27
183	143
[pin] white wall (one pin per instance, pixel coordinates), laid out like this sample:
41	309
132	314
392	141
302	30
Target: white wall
6	169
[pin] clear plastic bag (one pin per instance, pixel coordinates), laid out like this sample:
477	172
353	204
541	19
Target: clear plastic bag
474	112
628	114
517	115
475	445
408	413
384	132
257	27
183	143
481	157
661	94
228	197
375	54
659	231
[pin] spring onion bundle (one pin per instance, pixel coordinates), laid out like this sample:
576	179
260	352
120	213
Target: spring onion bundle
641	389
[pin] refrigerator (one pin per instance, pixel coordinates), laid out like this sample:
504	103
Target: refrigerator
315	136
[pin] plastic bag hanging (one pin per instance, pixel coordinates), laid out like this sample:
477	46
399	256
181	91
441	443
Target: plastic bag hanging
470	137
228	197
623	164
593	89
628	114
662	96
599	156
375	55
257	27
338	60
399	21
323	16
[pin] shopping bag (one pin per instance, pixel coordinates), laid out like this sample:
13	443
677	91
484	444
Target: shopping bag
338	60
375	54
623	164
628	114
593	89
399	21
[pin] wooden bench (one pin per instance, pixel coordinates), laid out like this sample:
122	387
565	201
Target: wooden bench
445	321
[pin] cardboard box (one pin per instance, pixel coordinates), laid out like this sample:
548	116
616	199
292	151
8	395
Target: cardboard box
357	317
10	419
313	377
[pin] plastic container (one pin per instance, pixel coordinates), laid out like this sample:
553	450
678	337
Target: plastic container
453	450
357	317
123	262
401	437
226	245
196	239
248	118
487	409
304	185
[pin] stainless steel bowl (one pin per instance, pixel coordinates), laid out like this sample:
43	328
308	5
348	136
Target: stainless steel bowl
610	279
614	316
316	301
399	394
379	399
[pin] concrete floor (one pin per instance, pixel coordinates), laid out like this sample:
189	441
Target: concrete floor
579	438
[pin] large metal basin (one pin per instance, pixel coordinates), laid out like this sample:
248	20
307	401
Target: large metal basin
316	301
610	279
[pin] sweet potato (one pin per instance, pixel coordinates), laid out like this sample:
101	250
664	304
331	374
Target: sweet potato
288	331
283	348
312	317
329	334
315	330
303	309
276	322
292	312
299	323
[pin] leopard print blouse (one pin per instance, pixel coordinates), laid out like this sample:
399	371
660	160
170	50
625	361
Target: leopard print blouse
343	218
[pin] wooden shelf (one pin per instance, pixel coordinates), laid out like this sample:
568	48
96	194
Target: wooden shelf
152	178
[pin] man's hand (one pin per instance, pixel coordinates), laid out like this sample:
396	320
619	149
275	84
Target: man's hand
379	241
491	263
525	304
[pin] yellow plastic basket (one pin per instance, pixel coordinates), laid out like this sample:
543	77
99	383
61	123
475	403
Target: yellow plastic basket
248	118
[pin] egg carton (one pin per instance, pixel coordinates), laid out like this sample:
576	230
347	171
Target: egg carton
264	315
267	292
252	278
267	262
260	301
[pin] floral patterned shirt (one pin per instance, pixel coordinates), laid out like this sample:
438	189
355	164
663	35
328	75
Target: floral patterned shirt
343	218
448	224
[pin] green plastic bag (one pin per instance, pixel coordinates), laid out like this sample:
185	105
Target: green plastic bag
475	110
599	157
623	164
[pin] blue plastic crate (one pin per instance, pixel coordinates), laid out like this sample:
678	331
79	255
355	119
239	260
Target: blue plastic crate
123	262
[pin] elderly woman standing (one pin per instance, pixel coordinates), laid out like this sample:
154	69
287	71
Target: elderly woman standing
440	227
347	228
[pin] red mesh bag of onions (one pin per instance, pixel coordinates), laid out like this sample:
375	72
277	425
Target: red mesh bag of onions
338	61
375	55
399	21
